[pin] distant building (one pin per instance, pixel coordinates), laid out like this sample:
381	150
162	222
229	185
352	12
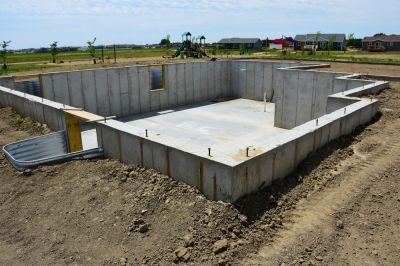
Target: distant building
382	43
235	43
308	41
278	43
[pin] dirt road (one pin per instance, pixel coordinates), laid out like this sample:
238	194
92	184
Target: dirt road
340	207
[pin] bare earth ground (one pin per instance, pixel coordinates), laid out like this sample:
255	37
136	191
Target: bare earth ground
340	207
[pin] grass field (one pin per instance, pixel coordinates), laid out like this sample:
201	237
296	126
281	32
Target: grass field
40	62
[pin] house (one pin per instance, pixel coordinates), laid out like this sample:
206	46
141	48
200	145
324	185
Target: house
381	43
236	43
308	40
278	43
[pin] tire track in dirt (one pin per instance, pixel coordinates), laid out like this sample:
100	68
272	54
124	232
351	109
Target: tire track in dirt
315	214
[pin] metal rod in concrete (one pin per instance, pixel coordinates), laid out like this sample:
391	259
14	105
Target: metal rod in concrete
316	122
265	102
345	110
247	151
209	152
147	134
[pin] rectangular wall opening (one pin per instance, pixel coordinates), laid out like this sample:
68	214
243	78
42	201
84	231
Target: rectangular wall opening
157	76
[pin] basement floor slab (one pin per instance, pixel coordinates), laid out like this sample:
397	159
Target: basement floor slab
225	127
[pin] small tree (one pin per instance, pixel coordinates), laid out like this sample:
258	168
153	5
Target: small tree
4	45
331	41
167	43
92	50
53	51
349	40
316	41
242	48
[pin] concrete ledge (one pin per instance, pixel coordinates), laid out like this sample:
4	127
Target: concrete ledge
39	109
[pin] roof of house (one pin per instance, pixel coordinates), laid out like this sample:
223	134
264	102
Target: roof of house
239	40
340	37
384	38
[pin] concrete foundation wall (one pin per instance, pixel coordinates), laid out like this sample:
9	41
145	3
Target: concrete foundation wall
293	146
7	82
251	79
212	178
127	90
40	110
300	97
303	95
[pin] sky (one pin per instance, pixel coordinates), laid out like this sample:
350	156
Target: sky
37	23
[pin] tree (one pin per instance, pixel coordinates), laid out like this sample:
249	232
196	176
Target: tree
167	43
331	41
353	42
380	34
316	41
242	48
4	53
53	51
92	50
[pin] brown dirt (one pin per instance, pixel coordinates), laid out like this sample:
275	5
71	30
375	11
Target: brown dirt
341	206
388	70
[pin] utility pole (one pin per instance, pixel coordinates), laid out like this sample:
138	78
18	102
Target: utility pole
115	54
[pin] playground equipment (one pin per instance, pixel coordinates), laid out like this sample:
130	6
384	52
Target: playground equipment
189	48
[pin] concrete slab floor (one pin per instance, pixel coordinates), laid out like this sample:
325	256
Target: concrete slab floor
226	127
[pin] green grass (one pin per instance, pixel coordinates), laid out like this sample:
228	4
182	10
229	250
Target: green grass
39	62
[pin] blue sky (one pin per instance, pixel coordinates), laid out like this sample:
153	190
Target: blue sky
36	23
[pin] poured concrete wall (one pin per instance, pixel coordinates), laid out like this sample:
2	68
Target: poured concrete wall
285	151
303	95
251	79
127	90
40	110
7	82
212	178
299	95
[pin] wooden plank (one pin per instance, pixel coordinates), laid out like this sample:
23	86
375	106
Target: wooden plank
73	133
83	115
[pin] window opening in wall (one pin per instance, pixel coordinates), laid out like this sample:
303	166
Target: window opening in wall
157	75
